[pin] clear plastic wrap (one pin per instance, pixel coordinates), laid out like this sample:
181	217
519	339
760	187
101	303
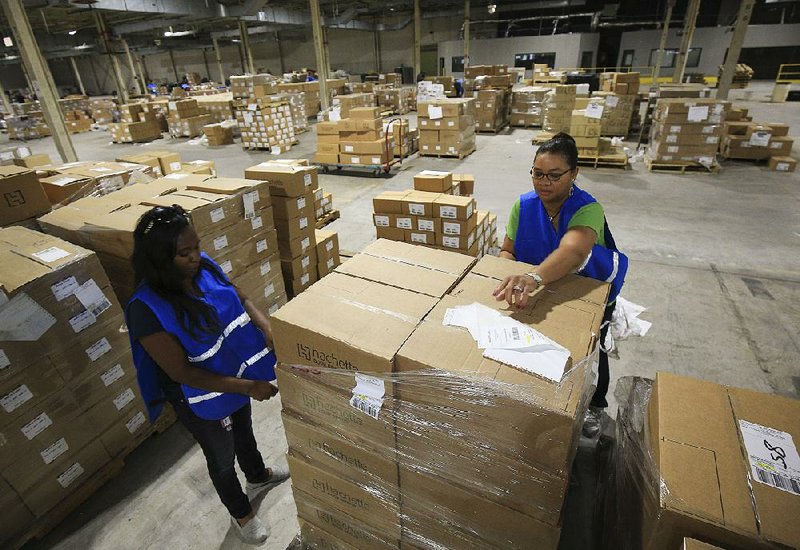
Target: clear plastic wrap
431	459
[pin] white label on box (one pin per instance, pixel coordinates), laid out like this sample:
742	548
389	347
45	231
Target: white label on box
217	215
82	321
404	223
135	423
355	160
36	426
672	149
708	129
450	212
450	228
92	298
368	394
451	242
4	362
175	166
382	221
227	267
112	375
712	139
65	288
419	238
470	240
7	155
304	279
54	451
349	148
22	319
61	182
612	101
698	113
776	145
416	209
172	105
672	138
269	291
329	246
305	243
457	190
176	176
761	139
307	180
261	246
773	456
303	222
594	110
469	209
220	242
780	167
51	254
98	349
330	263
257	223
675	129
266	267
301	203
123	399
70	474
15	398
376	160
249	200
425	225
451	123
434	112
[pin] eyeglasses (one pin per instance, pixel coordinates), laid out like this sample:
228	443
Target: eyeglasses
539	176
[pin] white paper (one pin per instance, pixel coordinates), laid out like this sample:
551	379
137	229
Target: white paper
305	243
698	113
51	254
307	180
217	215
65	288
227	267
329	246
123	399
82	320
416	209
54	451
303	222
136	422
760	139
419	238
175	166
368	395
382	221
450	212
24	320
71	474
425	225
434	112
36	426
249	200
98	349
773	456
594	110
176	176
304	279
112	375
450	228
92	298
269	291
257	222
261	246
15	398
612	101
451	242
330	263
404	223
305	262
335	116
220	242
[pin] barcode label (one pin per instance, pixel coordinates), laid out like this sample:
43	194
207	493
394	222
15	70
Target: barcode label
135	423
98	349
365	405
54	451
217	215
123	399
70	474
416	209
773	456
257	223
92	298
778	481
303	223
261	246
112	375
36	426
220	242
265	268
368	394
329	246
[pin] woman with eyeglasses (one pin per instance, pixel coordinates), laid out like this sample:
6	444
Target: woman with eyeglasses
201	345
561	229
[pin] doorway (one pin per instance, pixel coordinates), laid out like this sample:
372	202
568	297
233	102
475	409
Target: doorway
429	60
587	59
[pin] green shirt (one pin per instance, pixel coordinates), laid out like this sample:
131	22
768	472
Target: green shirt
591	216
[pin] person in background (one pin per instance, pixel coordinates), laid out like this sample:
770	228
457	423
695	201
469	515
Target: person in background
562	229
201	345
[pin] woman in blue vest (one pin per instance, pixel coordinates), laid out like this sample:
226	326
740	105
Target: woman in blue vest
201	345
561	229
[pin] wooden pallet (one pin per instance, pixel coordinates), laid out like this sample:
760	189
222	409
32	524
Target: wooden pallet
331	216
679	167
493	131
445	155
376	169
526	125
614	160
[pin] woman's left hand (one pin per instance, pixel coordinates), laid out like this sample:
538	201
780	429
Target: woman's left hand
515	289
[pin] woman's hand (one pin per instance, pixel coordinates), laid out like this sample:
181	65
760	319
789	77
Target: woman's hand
262	391
515	289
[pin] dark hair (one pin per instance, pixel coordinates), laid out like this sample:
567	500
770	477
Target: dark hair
561	144
154	247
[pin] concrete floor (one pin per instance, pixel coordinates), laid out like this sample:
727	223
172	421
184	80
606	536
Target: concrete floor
714	258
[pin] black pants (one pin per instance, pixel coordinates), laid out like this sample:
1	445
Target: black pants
221	441
599	397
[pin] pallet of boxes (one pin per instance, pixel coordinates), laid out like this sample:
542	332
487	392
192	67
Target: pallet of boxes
77	121
619	92
358	140
136	125
446	127
559	103
266	123
492	98
71	408
448	445
685	135
586	128
770	141
293	188
394	101
66	183
439	213
527	106
187	118
406	140
324	213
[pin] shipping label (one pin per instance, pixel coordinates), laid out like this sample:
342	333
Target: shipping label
217	215
71	474
16	398
36	426
368	395
265	268
257	222
98	349
136	422
450	212
261	245
404	223
65	288
773	456
112	375
54	451
416	209
92	298
124	399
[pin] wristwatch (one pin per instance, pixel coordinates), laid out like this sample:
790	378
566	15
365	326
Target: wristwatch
536	277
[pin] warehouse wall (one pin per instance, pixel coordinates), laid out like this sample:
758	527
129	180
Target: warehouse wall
714	42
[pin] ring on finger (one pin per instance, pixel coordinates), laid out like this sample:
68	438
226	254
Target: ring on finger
518	288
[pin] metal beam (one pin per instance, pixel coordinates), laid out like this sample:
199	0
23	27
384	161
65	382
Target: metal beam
205	62
139	84
174	68
466	33
417	38
280	51
248	53
122	89
321	55
689	26
142	72
663	42
218	56
737	39
42	77
77	73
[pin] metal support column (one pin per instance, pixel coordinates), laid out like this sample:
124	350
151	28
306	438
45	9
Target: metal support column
663	42
174	68
689	26
28	79
376	37
122	90
280	51
6	101
139	84
737	40
466	33
42	77
417	38
142	71
78	78
218	56
245	41
205	62
321	55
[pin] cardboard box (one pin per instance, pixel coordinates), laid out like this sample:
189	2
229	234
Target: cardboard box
390	233
295	247
130	430
433	181
285	180
16	517
457	242
419	203
323	527
327	158
459	227
366	148
419	237
780	146
367	159
389	202
22	195
782	164
287	208
62	188
466	184
728	496
33	161
453	208
694	544
297	228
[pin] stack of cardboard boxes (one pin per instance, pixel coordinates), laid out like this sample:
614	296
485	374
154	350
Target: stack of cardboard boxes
138	123
406	141
359	139
354	101
253	85
218	106
396	100
70	401
469	452
391	79
478	77
218	134
446	127
77	122
29	126
297	103
585	127
447	82
621	91
323	205
756	141
292	187
491	110
558	106
162	162
686	131
187	118
527	107
24	197
327	249
439	213
310	91
266	123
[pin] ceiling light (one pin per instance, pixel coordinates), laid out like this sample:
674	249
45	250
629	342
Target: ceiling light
83	46
174	34
492	8
72	32
7	41
235	40
10	57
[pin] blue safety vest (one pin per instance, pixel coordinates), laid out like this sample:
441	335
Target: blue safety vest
536	239
239	349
